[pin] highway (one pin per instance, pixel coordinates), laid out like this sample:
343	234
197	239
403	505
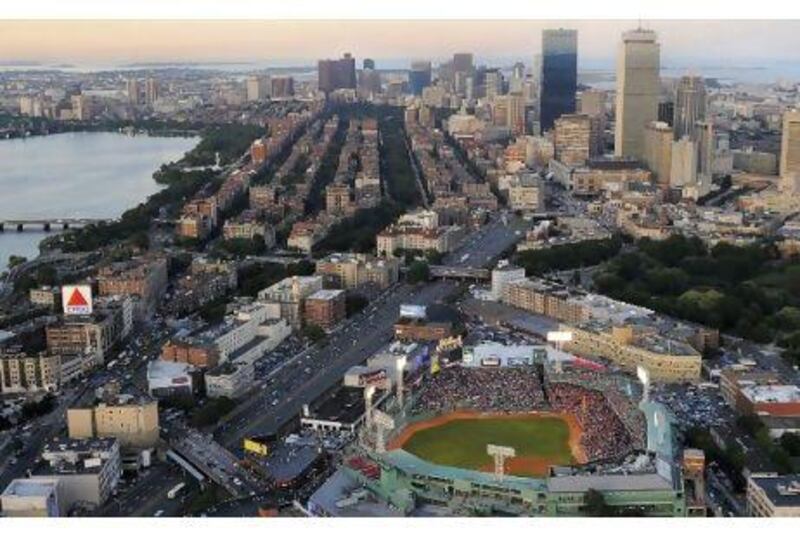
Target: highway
307	376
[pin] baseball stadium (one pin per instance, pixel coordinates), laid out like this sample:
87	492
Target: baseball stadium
521	440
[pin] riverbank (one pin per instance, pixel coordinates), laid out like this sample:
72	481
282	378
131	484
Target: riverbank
23	127
223	143
78	175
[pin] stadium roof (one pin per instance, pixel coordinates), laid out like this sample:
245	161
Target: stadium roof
414	465
608	483
332	498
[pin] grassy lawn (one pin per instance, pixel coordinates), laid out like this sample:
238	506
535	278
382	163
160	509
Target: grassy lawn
462	443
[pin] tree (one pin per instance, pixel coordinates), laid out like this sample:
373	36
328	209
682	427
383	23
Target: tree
313	332
47	275
418	272
214	311
212	411
354	303
15	260
791	443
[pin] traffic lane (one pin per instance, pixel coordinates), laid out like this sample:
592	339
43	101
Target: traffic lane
381	317
302	392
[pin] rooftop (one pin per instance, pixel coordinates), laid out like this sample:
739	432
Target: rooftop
772	393
326	294
289	461
345	406
619	482
25	487
782	491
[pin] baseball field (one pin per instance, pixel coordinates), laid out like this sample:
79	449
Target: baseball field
459	439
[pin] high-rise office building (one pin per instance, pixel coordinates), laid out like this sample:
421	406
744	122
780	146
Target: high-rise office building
516	84
493	83
690	106
509	111
658	151
706	145
419	77
593	103
638	88
368	64
336	73
281	87
790	152
151	91
684	163
559	79
134	91
666	112
257	88
463	62
574	139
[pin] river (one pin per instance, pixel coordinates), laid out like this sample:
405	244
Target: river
87	174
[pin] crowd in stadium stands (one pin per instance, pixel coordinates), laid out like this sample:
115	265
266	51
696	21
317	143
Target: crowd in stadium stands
604	435
630	415
612	387
481	389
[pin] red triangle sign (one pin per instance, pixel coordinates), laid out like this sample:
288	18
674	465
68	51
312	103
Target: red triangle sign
76	299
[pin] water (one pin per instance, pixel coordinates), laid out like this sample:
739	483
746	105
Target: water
91	174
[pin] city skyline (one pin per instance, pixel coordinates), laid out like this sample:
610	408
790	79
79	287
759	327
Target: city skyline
120	42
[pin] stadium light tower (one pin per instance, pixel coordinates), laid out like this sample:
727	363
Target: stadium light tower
401	365
500	454
558	338
369	392
383	424
644	376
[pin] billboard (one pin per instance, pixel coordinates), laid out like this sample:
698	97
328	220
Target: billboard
377	377
256	447
559	336
417	312
76	299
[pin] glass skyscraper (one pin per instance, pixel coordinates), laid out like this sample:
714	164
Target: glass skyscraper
419	76
559	79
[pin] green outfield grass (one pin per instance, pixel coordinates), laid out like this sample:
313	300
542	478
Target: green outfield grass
462	443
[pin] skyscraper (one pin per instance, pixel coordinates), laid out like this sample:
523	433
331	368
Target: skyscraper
134	91
516	84
257	88
336	73
684	163
704	137
690	105
573	139
559	80
790	152
419	77
463	62
658	151
638	87
493	83
151	91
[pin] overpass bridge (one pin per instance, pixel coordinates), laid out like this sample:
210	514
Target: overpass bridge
459	272
46	224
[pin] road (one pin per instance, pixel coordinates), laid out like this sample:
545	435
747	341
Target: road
486	244
44	429
326	365
307	376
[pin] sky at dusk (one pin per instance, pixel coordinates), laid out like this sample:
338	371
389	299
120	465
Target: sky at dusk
301	42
